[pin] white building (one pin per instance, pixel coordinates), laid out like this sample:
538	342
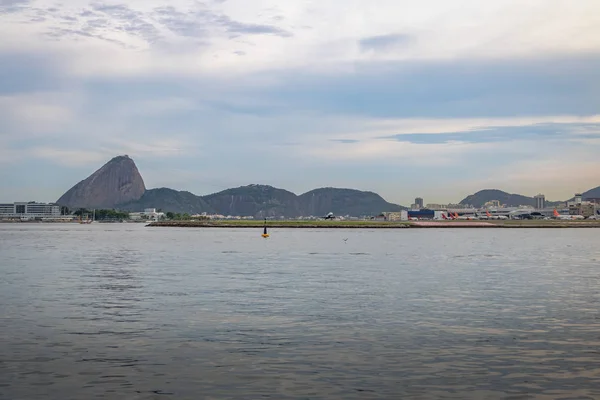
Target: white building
29	210
147	214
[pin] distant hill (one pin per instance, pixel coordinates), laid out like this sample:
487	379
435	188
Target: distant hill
168	200
483	196
255	200
344	202
118	181
118	184
511	200
591	194
267	201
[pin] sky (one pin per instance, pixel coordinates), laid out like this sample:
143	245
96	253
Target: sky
434	98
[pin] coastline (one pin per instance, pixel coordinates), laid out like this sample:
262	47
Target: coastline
378	225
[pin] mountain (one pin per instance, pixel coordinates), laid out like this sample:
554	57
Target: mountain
592	194
255	200
344	202
168	200
511	200
119	185
116	182
483	196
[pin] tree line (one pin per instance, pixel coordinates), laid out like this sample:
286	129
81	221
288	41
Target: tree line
109	214
102	215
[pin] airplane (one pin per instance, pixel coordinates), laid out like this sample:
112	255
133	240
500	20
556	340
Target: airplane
556	215
449	216
490	216
454	216
466	217
329	216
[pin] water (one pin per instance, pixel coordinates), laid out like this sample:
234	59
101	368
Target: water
121	311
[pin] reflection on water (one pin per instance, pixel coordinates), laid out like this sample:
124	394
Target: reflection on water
129	312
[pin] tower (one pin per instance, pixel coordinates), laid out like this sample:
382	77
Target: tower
540	201
419	202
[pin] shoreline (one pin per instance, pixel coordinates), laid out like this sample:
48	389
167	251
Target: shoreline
378	225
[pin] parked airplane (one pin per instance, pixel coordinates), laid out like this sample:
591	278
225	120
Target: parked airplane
570	217
490	216
329	216
450	216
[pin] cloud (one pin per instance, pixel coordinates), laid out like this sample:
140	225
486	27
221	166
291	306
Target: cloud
12	6
199	22
35	114
71	158
106	22
195	38
458	88
437	89
29	72
495	134
8	155
345	140
150	147
394	153
389	42
253	29
180	23
163	106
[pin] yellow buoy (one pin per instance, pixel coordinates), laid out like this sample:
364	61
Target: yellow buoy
265	234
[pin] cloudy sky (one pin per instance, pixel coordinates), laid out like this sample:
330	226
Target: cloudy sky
432	98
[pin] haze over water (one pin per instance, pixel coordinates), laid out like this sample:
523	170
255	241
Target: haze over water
123	311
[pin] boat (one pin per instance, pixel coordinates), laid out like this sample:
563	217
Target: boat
87	218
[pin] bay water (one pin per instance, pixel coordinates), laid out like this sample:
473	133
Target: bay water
124	311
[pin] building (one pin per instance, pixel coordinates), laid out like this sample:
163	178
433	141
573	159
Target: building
147	214
29	210
540	202
396	216
434	206
418	203
492	204
577	199
6	209
584	208
425	214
